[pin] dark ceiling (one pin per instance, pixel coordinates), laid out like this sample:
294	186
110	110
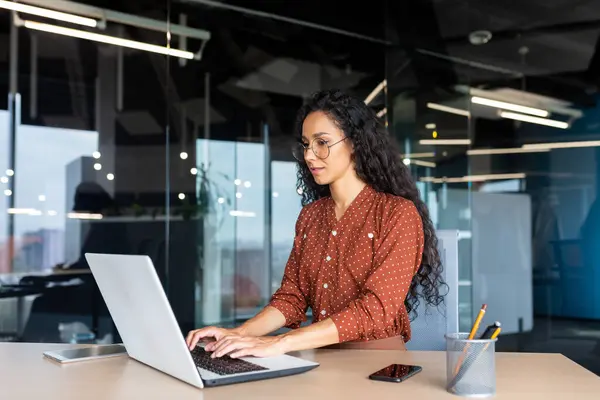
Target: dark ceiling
260	67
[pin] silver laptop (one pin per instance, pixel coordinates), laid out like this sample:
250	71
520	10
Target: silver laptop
150	333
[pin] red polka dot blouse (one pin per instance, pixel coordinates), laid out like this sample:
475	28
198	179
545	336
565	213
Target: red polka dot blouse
356	270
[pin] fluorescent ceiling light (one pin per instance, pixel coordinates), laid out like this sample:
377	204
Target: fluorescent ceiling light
108	39
24	211
511	96
42	12
83	215
451	110
480	152
376	91
561	145
409	161
382	113
237	213
430	126
445	142
474	178
418	155
535	120
509	106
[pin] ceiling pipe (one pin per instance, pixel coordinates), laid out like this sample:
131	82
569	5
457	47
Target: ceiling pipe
294	21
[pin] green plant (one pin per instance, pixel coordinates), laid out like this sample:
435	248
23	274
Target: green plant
209	191
210	197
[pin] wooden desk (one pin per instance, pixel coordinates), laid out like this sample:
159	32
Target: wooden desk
26	374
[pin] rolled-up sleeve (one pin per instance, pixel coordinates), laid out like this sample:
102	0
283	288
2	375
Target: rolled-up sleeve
290	299
396	260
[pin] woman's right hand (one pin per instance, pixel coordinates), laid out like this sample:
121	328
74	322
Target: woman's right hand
213	332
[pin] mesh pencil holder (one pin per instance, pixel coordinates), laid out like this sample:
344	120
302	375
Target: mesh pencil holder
470	366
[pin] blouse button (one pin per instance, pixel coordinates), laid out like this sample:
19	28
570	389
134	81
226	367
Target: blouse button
328	258
334	233
325	285
323	312
370	235
305	236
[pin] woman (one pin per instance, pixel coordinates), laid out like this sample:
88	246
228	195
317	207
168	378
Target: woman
364	243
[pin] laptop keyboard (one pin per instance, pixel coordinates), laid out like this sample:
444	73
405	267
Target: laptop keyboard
223	365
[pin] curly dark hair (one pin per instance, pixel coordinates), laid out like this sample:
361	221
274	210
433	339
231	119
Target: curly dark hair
378	163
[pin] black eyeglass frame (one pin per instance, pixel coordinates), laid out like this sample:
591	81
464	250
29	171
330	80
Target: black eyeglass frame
305	148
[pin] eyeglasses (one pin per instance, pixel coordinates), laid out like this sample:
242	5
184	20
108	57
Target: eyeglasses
318	146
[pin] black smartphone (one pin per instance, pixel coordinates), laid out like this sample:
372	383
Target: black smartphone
395	373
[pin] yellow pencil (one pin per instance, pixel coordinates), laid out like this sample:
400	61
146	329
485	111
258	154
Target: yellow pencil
477	322
474	330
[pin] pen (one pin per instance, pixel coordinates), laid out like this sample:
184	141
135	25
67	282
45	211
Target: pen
495	335
489	331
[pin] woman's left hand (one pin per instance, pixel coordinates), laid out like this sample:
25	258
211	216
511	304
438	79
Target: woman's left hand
245	346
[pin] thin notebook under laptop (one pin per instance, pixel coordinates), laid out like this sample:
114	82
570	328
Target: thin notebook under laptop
142	314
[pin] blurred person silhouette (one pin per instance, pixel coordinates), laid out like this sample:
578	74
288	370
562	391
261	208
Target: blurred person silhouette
92	199
68	298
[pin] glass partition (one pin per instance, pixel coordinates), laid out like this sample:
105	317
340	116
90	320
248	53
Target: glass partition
237	102
182	153
83	164
496	109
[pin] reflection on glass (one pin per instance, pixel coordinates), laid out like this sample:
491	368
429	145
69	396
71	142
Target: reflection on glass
238	279
45	162
285	208
4	179
235	281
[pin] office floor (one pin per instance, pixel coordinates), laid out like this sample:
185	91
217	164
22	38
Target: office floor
575	339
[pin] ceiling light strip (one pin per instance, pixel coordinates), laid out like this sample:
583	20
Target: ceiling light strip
509	106
451	110
421	163
418	155
474	178
59	30
376	91
133	20
534	120
562	145
23	211
84	215
43	12
238	213
445	142
515	150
